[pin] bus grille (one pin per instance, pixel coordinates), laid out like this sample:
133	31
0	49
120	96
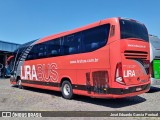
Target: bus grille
135	54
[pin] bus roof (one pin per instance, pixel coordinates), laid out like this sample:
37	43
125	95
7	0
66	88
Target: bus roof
54	36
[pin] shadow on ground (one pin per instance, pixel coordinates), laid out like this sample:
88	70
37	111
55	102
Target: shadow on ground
112	103
49	92
154	89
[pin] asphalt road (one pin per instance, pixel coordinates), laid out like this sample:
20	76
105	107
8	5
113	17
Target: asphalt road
31	99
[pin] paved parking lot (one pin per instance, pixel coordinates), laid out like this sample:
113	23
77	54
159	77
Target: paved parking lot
30	99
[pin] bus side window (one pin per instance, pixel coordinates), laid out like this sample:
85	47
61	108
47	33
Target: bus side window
33	53
41	50
95	38
71	44
54	48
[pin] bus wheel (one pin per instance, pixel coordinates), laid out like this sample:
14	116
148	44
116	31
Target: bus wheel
19	84
67	91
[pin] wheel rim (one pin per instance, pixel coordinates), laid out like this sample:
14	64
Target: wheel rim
66	89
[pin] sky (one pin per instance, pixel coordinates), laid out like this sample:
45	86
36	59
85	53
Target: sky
24	20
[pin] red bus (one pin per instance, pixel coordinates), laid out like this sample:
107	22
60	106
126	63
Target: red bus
106	59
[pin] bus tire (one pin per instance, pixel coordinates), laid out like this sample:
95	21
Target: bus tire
19	84
66	89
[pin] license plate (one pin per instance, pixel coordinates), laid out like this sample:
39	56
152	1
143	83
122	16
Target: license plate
138	89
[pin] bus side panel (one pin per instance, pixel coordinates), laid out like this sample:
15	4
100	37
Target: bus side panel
93	82
84	82
89	73
115	57
77	68
49	71
66	74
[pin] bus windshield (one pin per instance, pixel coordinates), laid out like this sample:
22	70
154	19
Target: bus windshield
132	29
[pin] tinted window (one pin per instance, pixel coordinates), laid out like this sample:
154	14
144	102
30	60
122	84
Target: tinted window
42	50
132	29
71	44
46	49
95	38
33	53
85	41
54	48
